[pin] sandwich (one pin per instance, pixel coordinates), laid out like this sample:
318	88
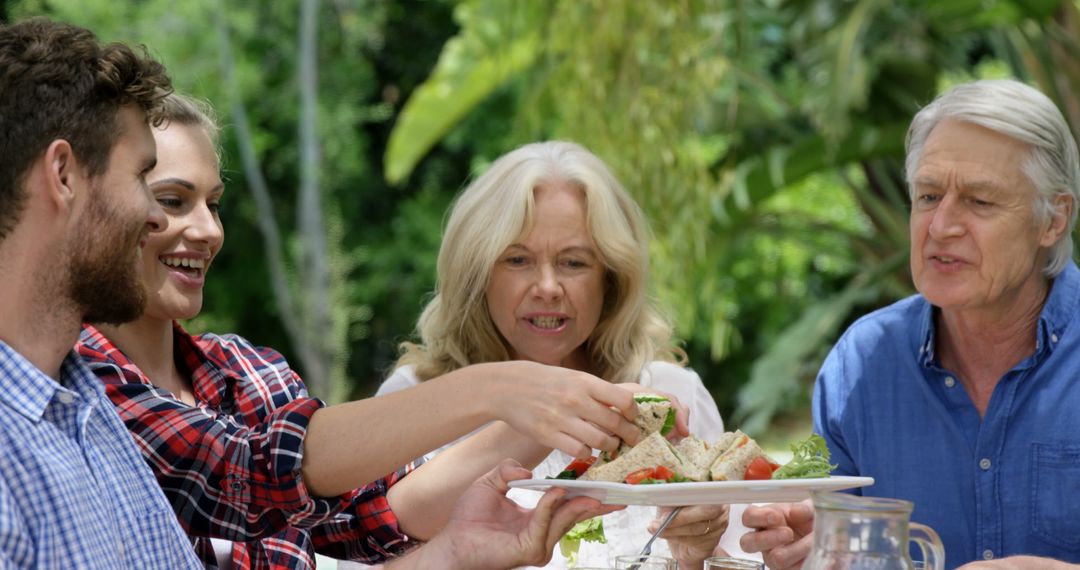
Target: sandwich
654	457
737	456
655	414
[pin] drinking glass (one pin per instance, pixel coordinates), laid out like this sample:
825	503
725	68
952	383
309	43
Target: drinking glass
643	562
728	563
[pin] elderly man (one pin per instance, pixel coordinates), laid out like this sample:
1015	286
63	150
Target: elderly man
964	398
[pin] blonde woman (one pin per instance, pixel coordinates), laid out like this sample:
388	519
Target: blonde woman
545	258
241	450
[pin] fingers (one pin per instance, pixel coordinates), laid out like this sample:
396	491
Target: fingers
762	517
694	522
789	557
783	536
507	470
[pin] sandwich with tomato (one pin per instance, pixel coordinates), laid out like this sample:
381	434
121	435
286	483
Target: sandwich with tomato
741	458
652	453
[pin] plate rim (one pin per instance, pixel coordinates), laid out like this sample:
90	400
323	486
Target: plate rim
663	494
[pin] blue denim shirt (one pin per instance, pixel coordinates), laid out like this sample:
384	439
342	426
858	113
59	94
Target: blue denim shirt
1003	485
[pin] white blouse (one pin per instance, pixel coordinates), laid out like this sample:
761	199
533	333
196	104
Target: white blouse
626	529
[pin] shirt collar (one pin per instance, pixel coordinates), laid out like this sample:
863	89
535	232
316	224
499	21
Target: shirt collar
28	391
1059	308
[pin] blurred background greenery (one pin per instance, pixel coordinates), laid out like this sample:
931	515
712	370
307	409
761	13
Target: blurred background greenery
764	139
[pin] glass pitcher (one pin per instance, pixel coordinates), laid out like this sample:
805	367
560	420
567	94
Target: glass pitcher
868	533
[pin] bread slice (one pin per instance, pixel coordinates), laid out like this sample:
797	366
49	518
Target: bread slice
732	463
652	451
651	417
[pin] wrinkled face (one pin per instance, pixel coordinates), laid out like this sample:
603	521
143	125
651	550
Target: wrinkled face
975	241
118	219
187	184
547	290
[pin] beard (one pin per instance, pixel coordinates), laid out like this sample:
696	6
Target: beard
104	281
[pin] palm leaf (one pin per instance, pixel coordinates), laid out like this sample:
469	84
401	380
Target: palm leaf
467	72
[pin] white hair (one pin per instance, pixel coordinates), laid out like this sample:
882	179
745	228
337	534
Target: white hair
1023	113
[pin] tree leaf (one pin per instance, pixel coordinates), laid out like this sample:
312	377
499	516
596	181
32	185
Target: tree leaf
467	73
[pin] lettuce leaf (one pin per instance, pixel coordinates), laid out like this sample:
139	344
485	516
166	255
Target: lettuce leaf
810	460
591	530
645	398
669	422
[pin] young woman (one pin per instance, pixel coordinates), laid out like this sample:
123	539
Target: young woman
545	259
241	450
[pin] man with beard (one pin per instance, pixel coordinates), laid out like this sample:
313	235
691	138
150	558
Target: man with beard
75	145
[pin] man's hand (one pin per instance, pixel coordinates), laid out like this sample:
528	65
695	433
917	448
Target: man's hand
487	531
784	533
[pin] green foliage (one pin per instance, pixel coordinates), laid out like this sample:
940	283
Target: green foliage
491	49
710	111
763	138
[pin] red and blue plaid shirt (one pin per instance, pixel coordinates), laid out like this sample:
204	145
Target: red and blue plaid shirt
230	465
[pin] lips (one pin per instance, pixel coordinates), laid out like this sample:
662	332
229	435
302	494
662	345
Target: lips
191	266
547	322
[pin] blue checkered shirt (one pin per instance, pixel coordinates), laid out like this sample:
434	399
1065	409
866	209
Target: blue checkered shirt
74	490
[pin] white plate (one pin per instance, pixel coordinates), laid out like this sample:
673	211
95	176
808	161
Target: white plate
704	493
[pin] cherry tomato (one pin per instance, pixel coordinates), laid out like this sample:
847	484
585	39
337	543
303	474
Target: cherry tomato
760	468
579	466
663	473
640	475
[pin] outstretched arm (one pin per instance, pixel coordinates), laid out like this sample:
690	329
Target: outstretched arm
350	444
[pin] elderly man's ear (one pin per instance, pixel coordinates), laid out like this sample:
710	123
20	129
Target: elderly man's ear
1059	221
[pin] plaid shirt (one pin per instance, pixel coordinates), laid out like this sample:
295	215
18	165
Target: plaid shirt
230	465
74	491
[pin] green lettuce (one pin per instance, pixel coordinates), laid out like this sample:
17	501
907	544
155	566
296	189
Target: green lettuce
647	398
810	460
591	530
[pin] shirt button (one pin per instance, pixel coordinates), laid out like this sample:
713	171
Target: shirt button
65	398
237	486
1053	338
984	463
950	381
988	554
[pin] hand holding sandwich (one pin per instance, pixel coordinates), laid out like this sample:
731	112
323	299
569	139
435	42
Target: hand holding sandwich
569	410
784	533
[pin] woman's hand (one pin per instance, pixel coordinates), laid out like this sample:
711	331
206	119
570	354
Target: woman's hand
568	410
682	412
694	533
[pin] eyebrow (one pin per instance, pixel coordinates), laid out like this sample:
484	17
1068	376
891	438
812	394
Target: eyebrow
977	185
184	184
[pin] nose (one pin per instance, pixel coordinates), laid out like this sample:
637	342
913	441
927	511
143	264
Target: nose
155	218
203	225
946	220
547	286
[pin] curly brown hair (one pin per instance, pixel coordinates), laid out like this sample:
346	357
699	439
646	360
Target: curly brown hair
57	81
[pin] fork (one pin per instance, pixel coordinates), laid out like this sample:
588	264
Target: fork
647	550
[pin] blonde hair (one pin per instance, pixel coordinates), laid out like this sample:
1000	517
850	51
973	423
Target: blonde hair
456	329
186	110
